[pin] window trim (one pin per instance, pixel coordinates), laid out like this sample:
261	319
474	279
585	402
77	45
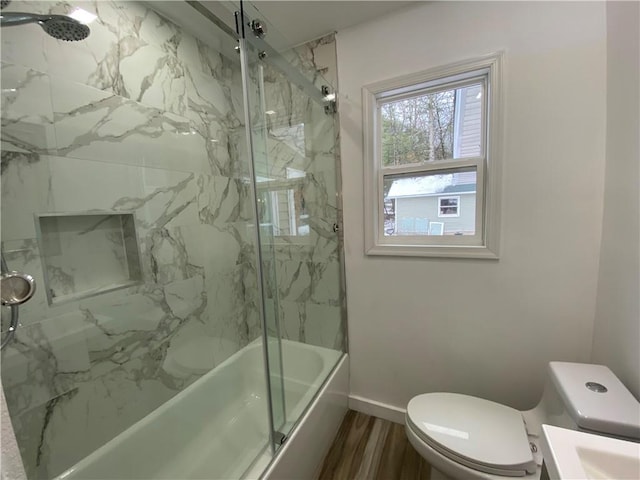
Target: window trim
489	173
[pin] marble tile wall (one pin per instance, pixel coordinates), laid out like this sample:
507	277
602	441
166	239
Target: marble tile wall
145	119
141	118
306	273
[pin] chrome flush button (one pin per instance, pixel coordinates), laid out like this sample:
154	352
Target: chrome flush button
596	387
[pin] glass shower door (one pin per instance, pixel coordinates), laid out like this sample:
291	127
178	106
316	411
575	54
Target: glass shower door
296	181
255	114
300	194
125	194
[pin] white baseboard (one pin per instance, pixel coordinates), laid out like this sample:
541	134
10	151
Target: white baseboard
377	409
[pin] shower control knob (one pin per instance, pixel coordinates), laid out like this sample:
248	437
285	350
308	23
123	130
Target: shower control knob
16	288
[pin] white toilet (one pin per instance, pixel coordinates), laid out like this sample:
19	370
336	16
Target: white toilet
470	438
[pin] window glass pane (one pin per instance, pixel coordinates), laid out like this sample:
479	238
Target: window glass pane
435	126
430	203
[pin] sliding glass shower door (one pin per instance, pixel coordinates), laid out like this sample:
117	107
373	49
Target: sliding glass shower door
293	129
255	114
125	195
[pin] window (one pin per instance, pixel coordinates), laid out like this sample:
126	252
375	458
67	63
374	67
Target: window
432	165
448	206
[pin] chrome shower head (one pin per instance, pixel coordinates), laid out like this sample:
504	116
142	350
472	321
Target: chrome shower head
65	28
58	26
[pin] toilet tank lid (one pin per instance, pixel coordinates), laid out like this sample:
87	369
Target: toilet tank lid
614	411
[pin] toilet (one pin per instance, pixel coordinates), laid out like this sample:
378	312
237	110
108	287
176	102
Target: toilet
466	437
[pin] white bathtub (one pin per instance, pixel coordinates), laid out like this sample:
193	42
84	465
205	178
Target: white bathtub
216	428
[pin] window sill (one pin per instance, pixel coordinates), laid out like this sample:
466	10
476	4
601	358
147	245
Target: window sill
435	251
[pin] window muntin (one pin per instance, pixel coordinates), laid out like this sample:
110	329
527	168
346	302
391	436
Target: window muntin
465	140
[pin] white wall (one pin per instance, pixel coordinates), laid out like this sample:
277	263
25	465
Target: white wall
616	341
483	327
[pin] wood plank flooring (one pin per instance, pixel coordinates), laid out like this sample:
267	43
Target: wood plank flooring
369	448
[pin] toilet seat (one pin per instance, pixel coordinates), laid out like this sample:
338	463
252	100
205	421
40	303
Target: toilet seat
477	433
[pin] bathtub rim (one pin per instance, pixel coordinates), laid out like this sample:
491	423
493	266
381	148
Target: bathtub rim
227	363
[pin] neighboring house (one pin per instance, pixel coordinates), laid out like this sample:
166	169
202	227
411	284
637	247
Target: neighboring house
441	204
467	128
435	205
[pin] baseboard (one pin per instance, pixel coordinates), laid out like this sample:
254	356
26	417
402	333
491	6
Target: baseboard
377	409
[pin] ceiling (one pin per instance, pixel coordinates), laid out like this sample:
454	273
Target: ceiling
289	23
299	21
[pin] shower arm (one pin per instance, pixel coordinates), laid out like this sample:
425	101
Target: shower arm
13	19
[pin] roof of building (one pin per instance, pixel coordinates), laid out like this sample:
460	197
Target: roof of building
464	182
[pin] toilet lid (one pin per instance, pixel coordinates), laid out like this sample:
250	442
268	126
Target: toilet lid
478	433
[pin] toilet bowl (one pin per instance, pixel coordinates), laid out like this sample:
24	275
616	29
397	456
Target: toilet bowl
466	437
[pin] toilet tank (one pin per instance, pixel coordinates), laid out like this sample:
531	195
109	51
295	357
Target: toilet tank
591	398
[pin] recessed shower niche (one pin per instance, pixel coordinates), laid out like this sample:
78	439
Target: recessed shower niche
87	254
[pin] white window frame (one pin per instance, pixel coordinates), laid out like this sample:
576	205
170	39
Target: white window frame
449	197
485	243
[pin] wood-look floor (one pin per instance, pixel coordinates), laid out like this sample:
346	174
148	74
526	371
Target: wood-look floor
369	448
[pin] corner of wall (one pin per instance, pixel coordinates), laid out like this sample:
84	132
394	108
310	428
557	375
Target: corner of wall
616	335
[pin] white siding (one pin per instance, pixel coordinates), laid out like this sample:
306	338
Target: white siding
468	122
427	208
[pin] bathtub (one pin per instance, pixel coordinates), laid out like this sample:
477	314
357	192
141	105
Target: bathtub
217	427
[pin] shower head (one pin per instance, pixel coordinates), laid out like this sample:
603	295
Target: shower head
65	28
58	26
